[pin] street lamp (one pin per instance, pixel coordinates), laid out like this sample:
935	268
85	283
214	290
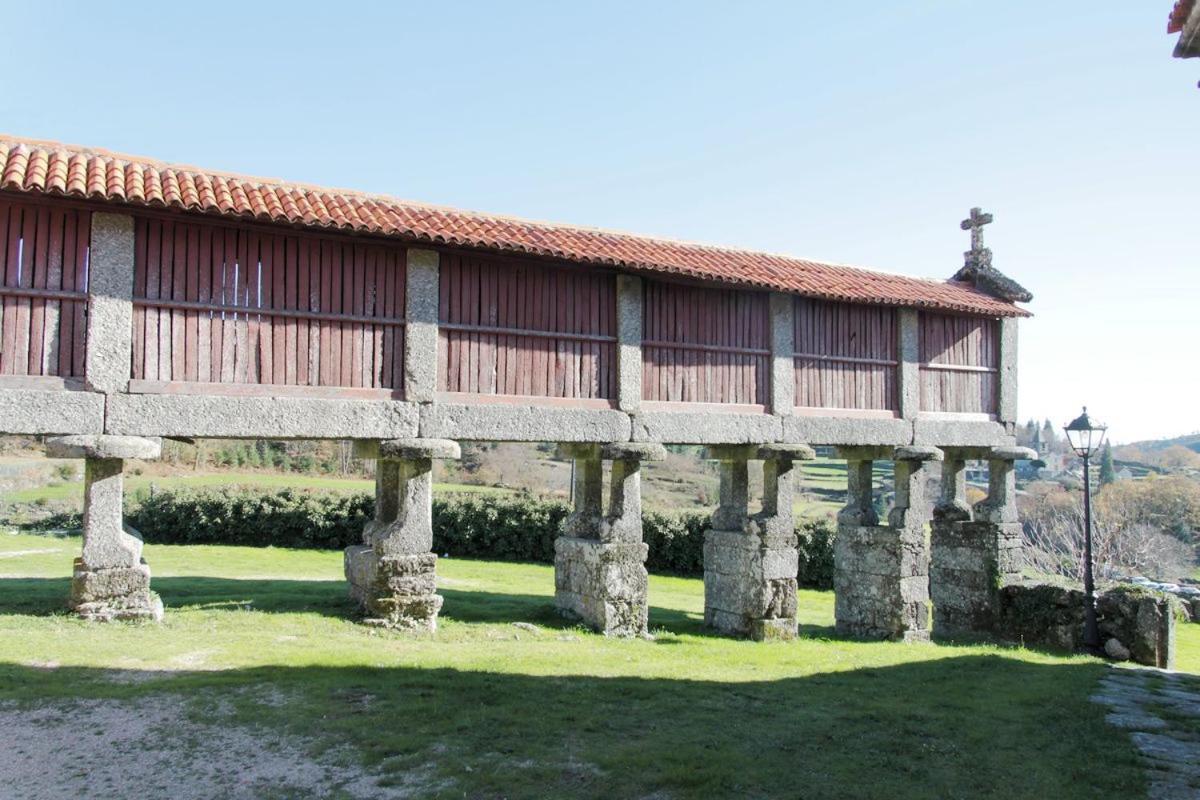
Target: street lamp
1086	438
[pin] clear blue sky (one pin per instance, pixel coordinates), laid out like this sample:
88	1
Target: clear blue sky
858	133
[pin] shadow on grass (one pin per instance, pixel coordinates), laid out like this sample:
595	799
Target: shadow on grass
964	726
39	596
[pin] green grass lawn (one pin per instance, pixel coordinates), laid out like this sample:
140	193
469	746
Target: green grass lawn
493	710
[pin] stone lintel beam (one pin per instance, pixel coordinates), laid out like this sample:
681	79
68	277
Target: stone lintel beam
103	446
406	449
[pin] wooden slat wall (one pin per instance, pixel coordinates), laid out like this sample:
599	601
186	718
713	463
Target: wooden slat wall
511	327
231	305
846	355
43	289
960	357
703	345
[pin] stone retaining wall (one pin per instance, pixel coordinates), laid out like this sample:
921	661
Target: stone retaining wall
1135	624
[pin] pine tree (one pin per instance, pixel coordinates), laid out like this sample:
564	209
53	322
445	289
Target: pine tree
1108	473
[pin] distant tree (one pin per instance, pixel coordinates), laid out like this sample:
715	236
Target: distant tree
1108	473
1026	435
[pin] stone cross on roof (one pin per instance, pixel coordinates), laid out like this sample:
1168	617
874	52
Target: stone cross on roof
974	224
977	267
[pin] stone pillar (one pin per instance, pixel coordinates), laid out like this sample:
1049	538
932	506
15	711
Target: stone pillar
908	372
1006	411
110	303
421	325
629	343
393	573
783	354
975	552
111	579
750	562
881	573
600	559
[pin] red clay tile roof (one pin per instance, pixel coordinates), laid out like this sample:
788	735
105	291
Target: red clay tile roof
50	168
1179	15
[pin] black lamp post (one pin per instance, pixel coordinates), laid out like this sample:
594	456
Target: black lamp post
1086	437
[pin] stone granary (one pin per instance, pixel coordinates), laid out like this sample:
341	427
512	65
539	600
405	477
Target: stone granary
141	300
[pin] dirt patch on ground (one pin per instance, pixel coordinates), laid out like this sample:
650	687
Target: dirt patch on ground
151	748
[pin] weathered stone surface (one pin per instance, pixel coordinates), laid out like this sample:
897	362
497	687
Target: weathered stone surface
392	574
532	423
602	584
747	582
110	302
969	563
406	449
106	540
421	325
682	427
881	582
932	429
26	411
909	371
259	417
633	451
114	594
833	430
783	362
791	451
394	591
94	585
1115	650
629	342
103	446
1142	621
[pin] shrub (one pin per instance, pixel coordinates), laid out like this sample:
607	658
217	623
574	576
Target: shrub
516	528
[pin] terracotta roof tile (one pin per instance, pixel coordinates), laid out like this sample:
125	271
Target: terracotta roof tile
67	170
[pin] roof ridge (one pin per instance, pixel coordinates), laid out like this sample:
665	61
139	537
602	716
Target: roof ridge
142	180
158	163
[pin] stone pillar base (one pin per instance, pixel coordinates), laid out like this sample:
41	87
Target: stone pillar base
398	592
750	584
114	593
970	563
881	584
602	584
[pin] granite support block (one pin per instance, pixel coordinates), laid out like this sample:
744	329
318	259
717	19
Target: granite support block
110	303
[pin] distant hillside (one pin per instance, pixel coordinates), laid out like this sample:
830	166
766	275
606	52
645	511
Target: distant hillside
1163	455
1191	441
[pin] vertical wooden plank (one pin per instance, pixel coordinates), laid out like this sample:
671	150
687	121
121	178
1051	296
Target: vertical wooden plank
66	338
37	307
10	236
267	303
54	280
229	292
179	272
204	295
281	354
303	302
141	277
191	322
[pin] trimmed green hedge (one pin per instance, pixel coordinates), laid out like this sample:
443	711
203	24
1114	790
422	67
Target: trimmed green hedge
508	528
